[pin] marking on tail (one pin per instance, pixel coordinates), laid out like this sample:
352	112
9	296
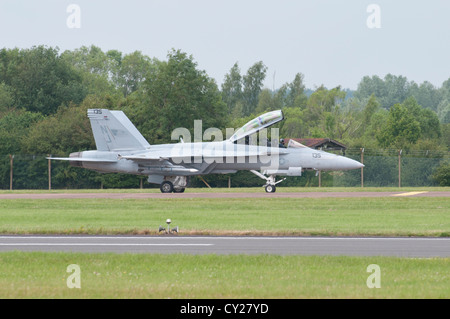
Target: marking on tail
113	131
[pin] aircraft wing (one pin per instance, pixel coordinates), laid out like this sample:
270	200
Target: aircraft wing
184	151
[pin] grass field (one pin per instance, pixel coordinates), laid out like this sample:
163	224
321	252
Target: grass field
44	275
384	216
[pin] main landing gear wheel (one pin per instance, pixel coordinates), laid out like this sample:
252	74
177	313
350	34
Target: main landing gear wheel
270	188
166	187
178	190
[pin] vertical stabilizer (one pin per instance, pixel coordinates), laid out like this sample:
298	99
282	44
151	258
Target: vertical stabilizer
113	131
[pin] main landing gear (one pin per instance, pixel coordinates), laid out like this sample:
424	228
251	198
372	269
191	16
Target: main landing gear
167	187
176	184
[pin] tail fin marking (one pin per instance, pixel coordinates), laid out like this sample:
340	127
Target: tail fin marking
113	131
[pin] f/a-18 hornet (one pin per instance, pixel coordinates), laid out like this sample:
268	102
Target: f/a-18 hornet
121	148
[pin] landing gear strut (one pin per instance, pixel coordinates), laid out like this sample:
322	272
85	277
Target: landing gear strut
270	181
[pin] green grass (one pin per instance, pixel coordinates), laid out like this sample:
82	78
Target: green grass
43	275
387	216
236	190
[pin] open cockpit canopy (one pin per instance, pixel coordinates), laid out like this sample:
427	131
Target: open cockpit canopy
257	124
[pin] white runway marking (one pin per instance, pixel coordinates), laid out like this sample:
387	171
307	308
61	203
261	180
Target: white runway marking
221	237
409	194
96	244
347	246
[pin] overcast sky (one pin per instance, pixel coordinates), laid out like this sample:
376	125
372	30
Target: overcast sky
329	41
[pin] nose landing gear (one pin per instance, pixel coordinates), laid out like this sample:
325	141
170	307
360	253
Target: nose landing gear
270	181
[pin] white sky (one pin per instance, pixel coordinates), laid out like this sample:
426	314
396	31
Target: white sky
326	40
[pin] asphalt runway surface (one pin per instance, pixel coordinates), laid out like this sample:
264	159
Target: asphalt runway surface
333	246
261	194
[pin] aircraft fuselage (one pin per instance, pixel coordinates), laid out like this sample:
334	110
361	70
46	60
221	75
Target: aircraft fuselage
189	159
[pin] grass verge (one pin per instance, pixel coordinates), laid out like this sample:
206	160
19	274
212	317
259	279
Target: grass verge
44	275
388	216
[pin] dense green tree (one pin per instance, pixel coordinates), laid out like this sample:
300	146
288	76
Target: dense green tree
441	174
322	113
315	106
288	95
325	99
93	60
132	72
397	89
389	91
6	97
296	96
232	88
445	90
400	130
369	118
174	95
252	86
293	125
428	120
371	86
265	102
374	129
369	110
97	68
426	95
14	126
9	59
443	111
39	79
445	135
66	131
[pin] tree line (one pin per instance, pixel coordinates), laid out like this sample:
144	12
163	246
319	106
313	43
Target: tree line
45	93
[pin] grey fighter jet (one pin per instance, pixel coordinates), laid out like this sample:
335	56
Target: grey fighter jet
122	149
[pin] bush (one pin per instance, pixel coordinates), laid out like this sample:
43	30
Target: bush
441	174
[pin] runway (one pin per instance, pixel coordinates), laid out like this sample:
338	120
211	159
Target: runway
206	194
333	246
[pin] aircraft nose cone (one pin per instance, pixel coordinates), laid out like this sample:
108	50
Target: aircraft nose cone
348	163
352	164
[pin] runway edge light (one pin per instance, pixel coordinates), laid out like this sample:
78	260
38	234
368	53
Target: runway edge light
168	231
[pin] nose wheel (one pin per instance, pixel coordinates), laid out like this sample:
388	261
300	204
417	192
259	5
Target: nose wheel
270	188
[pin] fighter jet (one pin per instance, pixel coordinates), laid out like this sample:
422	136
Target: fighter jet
121	148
